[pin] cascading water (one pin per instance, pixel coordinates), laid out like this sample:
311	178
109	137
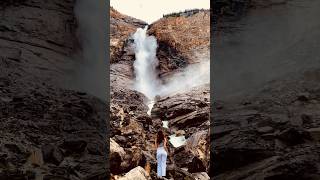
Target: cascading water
146	76
145	65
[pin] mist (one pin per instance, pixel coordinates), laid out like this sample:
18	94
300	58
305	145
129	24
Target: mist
90	68
192	76
146	75
265	45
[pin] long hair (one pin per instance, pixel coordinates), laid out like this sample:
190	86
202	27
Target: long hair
160	137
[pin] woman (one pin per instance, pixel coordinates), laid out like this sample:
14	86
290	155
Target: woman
161	145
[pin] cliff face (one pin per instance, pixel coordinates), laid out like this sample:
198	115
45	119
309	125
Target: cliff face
46	131
121	27
30	39
180	40
266	110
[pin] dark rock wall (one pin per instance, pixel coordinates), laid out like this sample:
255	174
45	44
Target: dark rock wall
46	130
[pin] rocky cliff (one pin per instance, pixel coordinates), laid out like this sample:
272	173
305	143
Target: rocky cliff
133	130
266	119
47	131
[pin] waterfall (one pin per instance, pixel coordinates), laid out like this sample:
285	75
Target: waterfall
145	65
146	75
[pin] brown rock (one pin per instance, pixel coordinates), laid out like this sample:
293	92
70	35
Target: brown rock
137	173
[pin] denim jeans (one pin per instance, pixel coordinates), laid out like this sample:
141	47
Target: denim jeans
161	161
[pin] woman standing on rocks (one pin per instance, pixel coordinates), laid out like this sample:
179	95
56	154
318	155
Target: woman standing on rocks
161	145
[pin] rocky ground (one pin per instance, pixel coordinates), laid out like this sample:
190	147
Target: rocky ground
272	130
133	131
47	131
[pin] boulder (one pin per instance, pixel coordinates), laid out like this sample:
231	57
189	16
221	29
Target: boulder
116	156
199	145
137	173
201	176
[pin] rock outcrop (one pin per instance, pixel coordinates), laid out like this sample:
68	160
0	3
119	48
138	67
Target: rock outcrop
272	134
47	131
180	39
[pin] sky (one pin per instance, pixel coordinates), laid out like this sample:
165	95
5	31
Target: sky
152	10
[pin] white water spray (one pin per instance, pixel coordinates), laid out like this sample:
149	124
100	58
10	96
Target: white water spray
145	65
147	81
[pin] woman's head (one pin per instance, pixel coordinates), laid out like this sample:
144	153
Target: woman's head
160	136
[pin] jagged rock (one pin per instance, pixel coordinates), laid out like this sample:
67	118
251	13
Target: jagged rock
121	28
199	145
179	38
187	111
196	165
116	157
182	157
201	176
52	154
137	173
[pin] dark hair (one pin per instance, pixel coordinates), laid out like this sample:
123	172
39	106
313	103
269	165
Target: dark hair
160	137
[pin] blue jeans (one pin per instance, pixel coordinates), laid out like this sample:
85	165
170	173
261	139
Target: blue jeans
161	161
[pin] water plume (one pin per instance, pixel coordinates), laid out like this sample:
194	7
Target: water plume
146	75
89	72
145	64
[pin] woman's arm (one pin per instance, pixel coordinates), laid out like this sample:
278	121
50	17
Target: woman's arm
165	144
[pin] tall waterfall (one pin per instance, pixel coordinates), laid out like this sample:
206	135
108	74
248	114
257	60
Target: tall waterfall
145	65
